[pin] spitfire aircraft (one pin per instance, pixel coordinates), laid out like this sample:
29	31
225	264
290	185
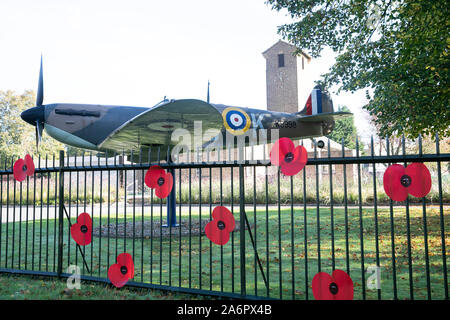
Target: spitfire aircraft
108	128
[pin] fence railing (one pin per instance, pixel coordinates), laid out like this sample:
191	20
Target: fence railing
285	231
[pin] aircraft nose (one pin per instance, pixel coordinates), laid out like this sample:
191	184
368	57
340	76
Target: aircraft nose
33	114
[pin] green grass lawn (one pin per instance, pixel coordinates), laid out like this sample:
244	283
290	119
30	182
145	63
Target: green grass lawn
25	287
194	262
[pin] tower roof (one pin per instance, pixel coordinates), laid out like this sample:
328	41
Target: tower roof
284	43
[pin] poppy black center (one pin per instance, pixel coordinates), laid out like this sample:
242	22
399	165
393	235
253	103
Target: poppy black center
160	181
333	288
405	180
289	157
24	168
84	229
221	225
123	270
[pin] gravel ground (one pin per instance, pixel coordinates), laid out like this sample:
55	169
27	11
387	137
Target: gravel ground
153	230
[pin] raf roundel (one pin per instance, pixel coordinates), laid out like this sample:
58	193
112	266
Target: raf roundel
236	121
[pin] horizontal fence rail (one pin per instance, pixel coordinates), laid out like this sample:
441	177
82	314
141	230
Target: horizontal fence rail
334	214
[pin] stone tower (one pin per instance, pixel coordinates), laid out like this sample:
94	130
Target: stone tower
284	75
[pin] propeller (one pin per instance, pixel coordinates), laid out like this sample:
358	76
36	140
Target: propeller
36	115
39	101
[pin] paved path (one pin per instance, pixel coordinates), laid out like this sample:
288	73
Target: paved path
19	213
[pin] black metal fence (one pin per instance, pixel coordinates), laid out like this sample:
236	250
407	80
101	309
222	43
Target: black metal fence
287	230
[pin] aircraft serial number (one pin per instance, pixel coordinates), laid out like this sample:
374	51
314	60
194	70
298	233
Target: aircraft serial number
284	124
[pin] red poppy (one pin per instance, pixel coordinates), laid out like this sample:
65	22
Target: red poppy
218	230
338	286
291	159
23	168
120	272
399	181
82	230
157	178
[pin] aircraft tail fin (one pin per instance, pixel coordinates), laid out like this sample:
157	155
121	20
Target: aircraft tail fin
319	107
318	102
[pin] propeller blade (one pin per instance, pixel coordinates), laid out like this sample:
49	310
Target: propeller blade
37	139
40	91
39	128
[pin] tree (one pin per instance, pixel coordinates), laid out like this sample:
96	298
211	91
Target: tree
429	146
398	51
17	138
74	151
345	128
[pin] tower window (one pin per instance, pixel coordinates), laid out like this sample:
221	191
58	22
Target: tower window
280	60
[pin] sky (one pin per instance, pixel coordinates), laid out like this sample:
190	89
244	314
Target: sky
136	52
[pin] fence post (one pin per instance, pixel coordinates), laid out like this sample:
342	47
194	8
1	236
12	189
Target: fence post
171	203
61	212
242	228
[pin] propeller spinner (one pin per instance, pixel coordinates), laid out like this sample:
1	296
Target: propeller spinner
35	115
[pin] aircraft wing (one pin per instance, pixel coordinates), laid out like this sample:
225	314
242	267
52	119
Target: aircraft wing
328	116
155	125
